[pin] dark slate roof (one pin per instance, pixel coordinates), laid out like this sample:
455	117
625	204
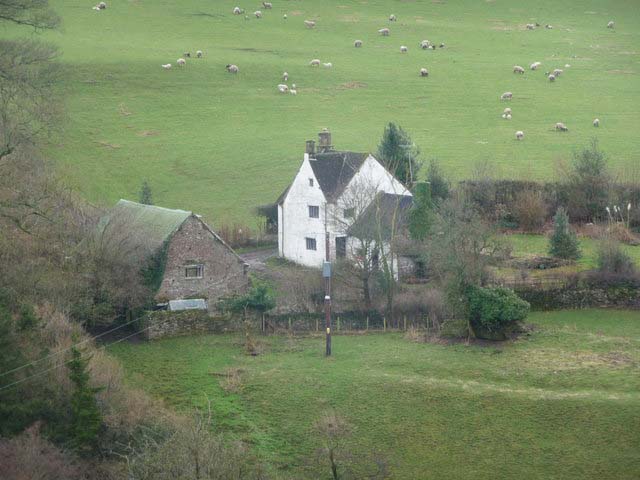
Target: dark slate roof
334	170
377	218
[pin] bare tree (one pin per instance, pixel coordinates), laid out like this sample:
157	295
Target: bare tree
32	13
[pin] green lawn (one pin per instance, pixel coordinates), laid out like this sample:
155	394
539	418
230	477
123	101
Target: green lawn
528	245
561	403
219	143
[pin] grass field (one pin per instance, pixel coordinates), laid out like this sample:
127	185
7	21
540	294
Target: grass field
527	245
219	144
560	403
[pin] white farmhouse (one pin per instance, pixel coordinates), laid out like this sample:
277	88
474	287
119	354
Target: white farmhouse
330	194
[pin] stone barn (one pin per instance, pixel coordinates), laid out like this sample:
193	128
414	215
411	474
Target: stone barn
182	257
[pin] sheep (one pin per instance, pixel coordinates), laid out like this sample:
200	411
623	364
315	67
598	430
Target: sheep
267	5
531	26
506	96
293	85
518	69
552	77
181	62
507	111
548	27
403	49
596	122
237	11
199	54
187	54
327	65
293	91
504	115
535	65
284	16
384	32
424	72
508	116
309	23
166	66
392	18
315	62
258	14
285	76
557	72
102	6
424	44
519	135
357	43
282	88
441	45
566	65
232	68
611	24
561	127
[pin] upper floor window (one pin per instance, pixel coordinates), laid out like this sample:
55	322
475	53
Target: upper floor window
193	271
311	182
311	243
349	212
314	211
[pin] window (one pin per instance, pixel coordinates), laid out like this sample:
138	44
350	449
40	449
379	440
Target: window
193	271
341	247
349	212
311	243
314	211
311	182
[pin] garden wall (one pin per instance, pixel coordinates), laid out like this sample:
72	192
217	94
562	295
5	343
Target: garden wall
163	323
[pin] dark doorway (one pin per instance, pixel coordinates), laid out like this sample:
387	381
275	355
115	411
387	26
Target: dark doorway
341	247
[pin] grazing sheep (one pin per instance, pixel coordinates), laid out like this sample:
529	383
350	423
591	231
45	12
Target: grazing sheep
181	62
327	65
441	45
315	62
552	77
309	23
535	65
237	11
557	72
267	5
506	96
283	88
424	44
293	85
518	69
293	91
508	116
507	111
232	68
403	49
166	66
519	135
357	43
102	6
384	32
424	72
96	8
548	27
531	26
611	24
187	54
566	65
199	54
285	76
258	14
504	115
284	16
596	122
392	18
561	127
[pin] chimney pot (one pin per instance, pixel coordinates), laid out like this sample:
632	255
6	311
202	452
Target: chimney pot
310	147
324	141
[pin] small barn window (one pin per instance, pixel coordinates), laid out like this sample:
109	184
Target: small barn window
314	211
349	212
193	271
311	243
311	182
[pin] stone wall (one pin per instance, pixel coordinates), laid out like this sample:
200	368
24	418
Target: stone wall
224	273
162	323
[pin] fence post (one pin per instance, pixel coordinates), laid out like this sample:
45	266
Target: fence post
289	323
367	324
316	324
405	323
338	323
384	324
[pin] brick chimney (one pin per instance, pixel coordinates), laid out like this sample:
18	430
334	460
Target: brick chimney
324	141
310	147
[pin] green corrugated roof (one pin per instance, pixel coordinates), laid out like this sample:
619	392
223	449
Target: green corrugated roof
142	224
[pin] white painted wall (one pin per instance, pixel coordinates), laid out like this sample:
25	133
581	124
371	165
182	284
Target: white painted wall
294	224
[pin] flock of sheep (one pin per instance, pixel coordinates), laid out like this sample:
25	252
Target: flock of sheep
551	76
100	6
181	62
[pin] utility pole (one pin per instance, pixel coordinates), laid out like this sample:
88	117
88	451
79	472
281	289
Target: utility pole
326	273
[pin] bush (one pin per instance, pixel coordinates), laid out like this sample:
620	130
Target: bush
530	209
589	183
563	242
612	259
494	312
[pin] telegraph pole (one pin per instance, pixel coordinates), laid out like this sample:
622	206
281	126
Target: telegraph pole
326	273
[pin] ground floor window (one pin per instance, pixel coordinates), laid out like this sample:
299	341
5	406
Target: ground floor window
194	271
311	243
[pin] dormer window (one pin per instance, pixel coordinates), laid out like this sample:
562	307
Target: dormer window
311	182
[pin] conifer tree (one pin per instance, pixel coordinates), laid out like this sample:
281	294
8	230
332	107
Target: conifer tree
146	197
86	419
421	215
563	242
399	154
